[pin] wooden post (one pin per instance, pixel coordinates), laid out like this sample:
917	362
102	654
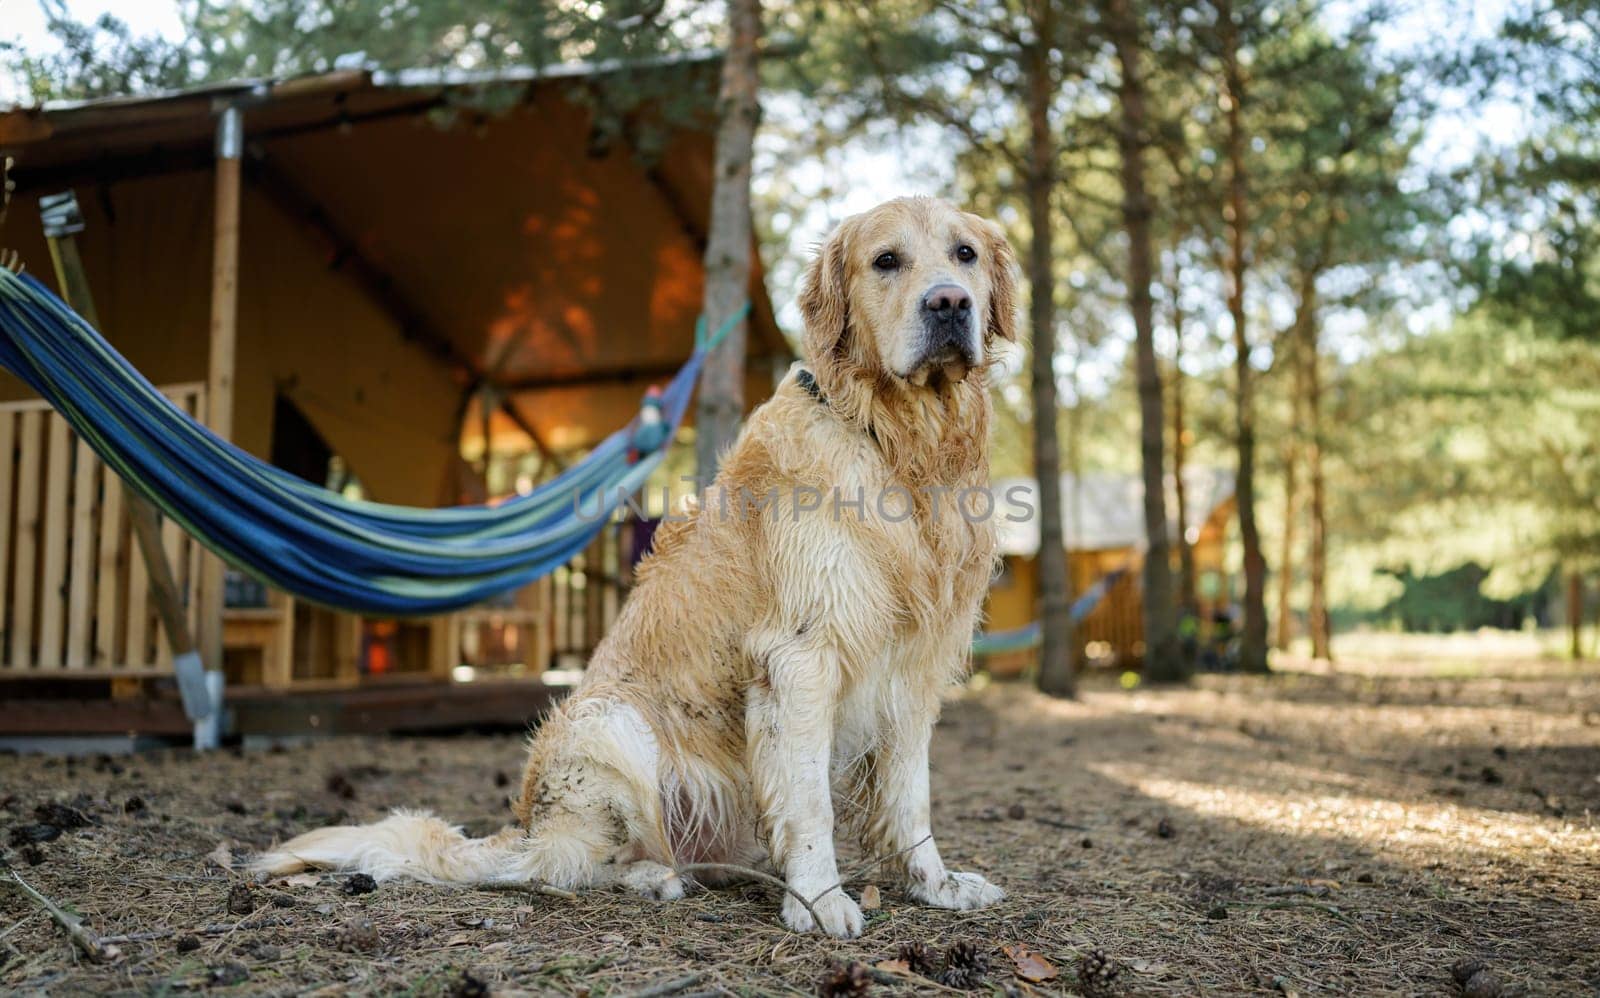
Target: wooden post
224	323
142	514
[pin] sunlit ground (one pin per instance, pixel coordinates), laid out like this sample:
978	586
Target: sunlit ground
1350	832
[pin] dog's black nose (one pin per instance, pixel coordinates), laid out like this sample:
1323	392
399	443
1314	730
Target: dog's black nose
946	300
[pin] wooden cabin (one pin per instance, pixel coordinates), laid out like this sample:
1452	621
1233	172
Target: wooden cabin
421	288
1103	527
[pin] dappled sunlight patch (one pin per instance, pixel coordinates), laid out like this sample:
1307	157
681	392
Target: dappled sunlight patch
1376	823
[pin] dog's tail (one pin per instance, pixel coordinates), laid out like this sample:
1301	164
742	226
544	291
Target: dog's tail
417	845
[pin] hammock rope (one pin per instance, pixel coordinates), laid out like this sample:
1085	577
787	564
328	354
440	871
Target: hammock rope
348	554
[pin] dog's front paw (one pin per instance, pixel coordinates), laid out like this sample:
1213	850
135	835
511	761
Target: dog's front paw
959	891
839	915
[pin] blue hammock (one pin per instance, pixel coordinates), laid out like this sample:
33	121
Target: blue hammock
364	557
1029	635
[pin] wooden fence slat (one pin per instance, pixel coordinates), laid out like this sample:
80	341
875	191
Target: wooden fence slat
112	570
172	543
80	576
53	580
8	483
27	539
136	654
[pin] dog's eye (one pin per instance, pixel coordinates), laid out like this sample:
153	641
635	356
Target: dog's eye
965	253
886	261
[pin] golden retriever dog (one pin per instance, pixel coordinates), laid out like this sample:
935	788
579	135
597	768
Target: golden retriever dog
776	672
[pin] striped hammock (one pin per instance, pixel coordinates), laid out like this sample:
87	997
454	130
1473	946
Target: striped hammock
364	557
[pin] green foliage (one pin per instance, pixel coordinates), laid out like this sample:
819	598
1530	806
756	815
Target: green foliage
1543	264
1473	444
246	39
99	59
1453	600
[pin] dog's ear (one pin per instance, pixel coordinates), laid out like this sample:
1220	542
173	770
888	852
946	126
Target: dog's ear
824	301
1002	282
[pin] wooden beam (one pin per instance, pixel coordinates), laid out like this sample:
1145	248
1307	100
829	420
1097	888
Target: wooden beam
222	347
658	371
509	406
163	158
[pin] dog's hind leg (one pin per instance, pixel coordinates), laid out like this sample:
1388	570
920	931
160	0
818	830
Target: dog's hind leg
590	807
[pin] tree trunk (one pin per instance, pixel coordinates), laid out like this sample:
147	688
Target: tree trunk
1317	567
1161	659
1295	357
727	257
1291	458
1575	613
1057	657
1253	635
1188	596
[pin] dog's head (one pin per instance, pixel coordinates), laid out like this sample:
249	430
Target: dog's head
914	290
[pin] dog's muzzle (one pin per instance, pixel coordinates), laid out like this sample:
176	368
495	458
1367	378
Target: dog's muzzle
947	335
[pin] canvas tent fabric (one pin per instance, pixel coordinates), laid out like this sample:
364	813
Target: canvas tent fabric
514	247
1102	511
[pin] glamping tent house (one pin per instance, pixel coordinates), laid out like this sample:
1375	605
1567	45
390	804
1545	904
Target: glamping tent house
1103	526
362	277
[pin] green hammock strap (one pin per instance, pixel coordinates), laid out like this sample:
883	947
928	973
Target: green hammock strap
701	343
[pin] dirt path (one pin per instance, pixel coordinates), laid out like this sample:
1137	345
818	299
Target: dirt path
1301	834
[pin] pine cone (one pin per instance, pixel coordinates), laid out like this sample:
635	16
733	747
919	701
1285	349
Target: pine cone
961	978
967	954
966	963
920	957
1097	973
844	980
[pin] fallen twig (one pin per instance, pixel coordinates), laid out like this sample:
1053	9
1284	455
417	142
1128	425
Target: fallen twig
1058	823
671	987
870	867
548	890
1301	889
81	935
214	929
776	882
1284	905
753	874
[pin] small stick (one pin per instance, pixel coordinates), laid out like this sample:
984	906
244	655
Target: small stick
214	929
83	937
671	987
548	890
858	874
765	878
1302	889
1285	905
870	867
1058	823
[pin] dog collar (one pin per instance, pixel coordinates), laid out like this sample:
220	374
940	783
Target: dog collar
805	379
808	381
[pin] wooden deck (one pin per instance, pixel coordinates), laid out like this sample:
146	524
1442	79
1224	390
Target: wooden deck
409	706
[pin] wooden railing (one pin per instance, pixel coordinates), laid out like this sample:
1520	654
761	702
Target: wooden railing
74	591
75	595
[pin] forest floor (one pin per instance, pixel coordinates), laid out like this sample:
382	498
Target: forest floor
1308	832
